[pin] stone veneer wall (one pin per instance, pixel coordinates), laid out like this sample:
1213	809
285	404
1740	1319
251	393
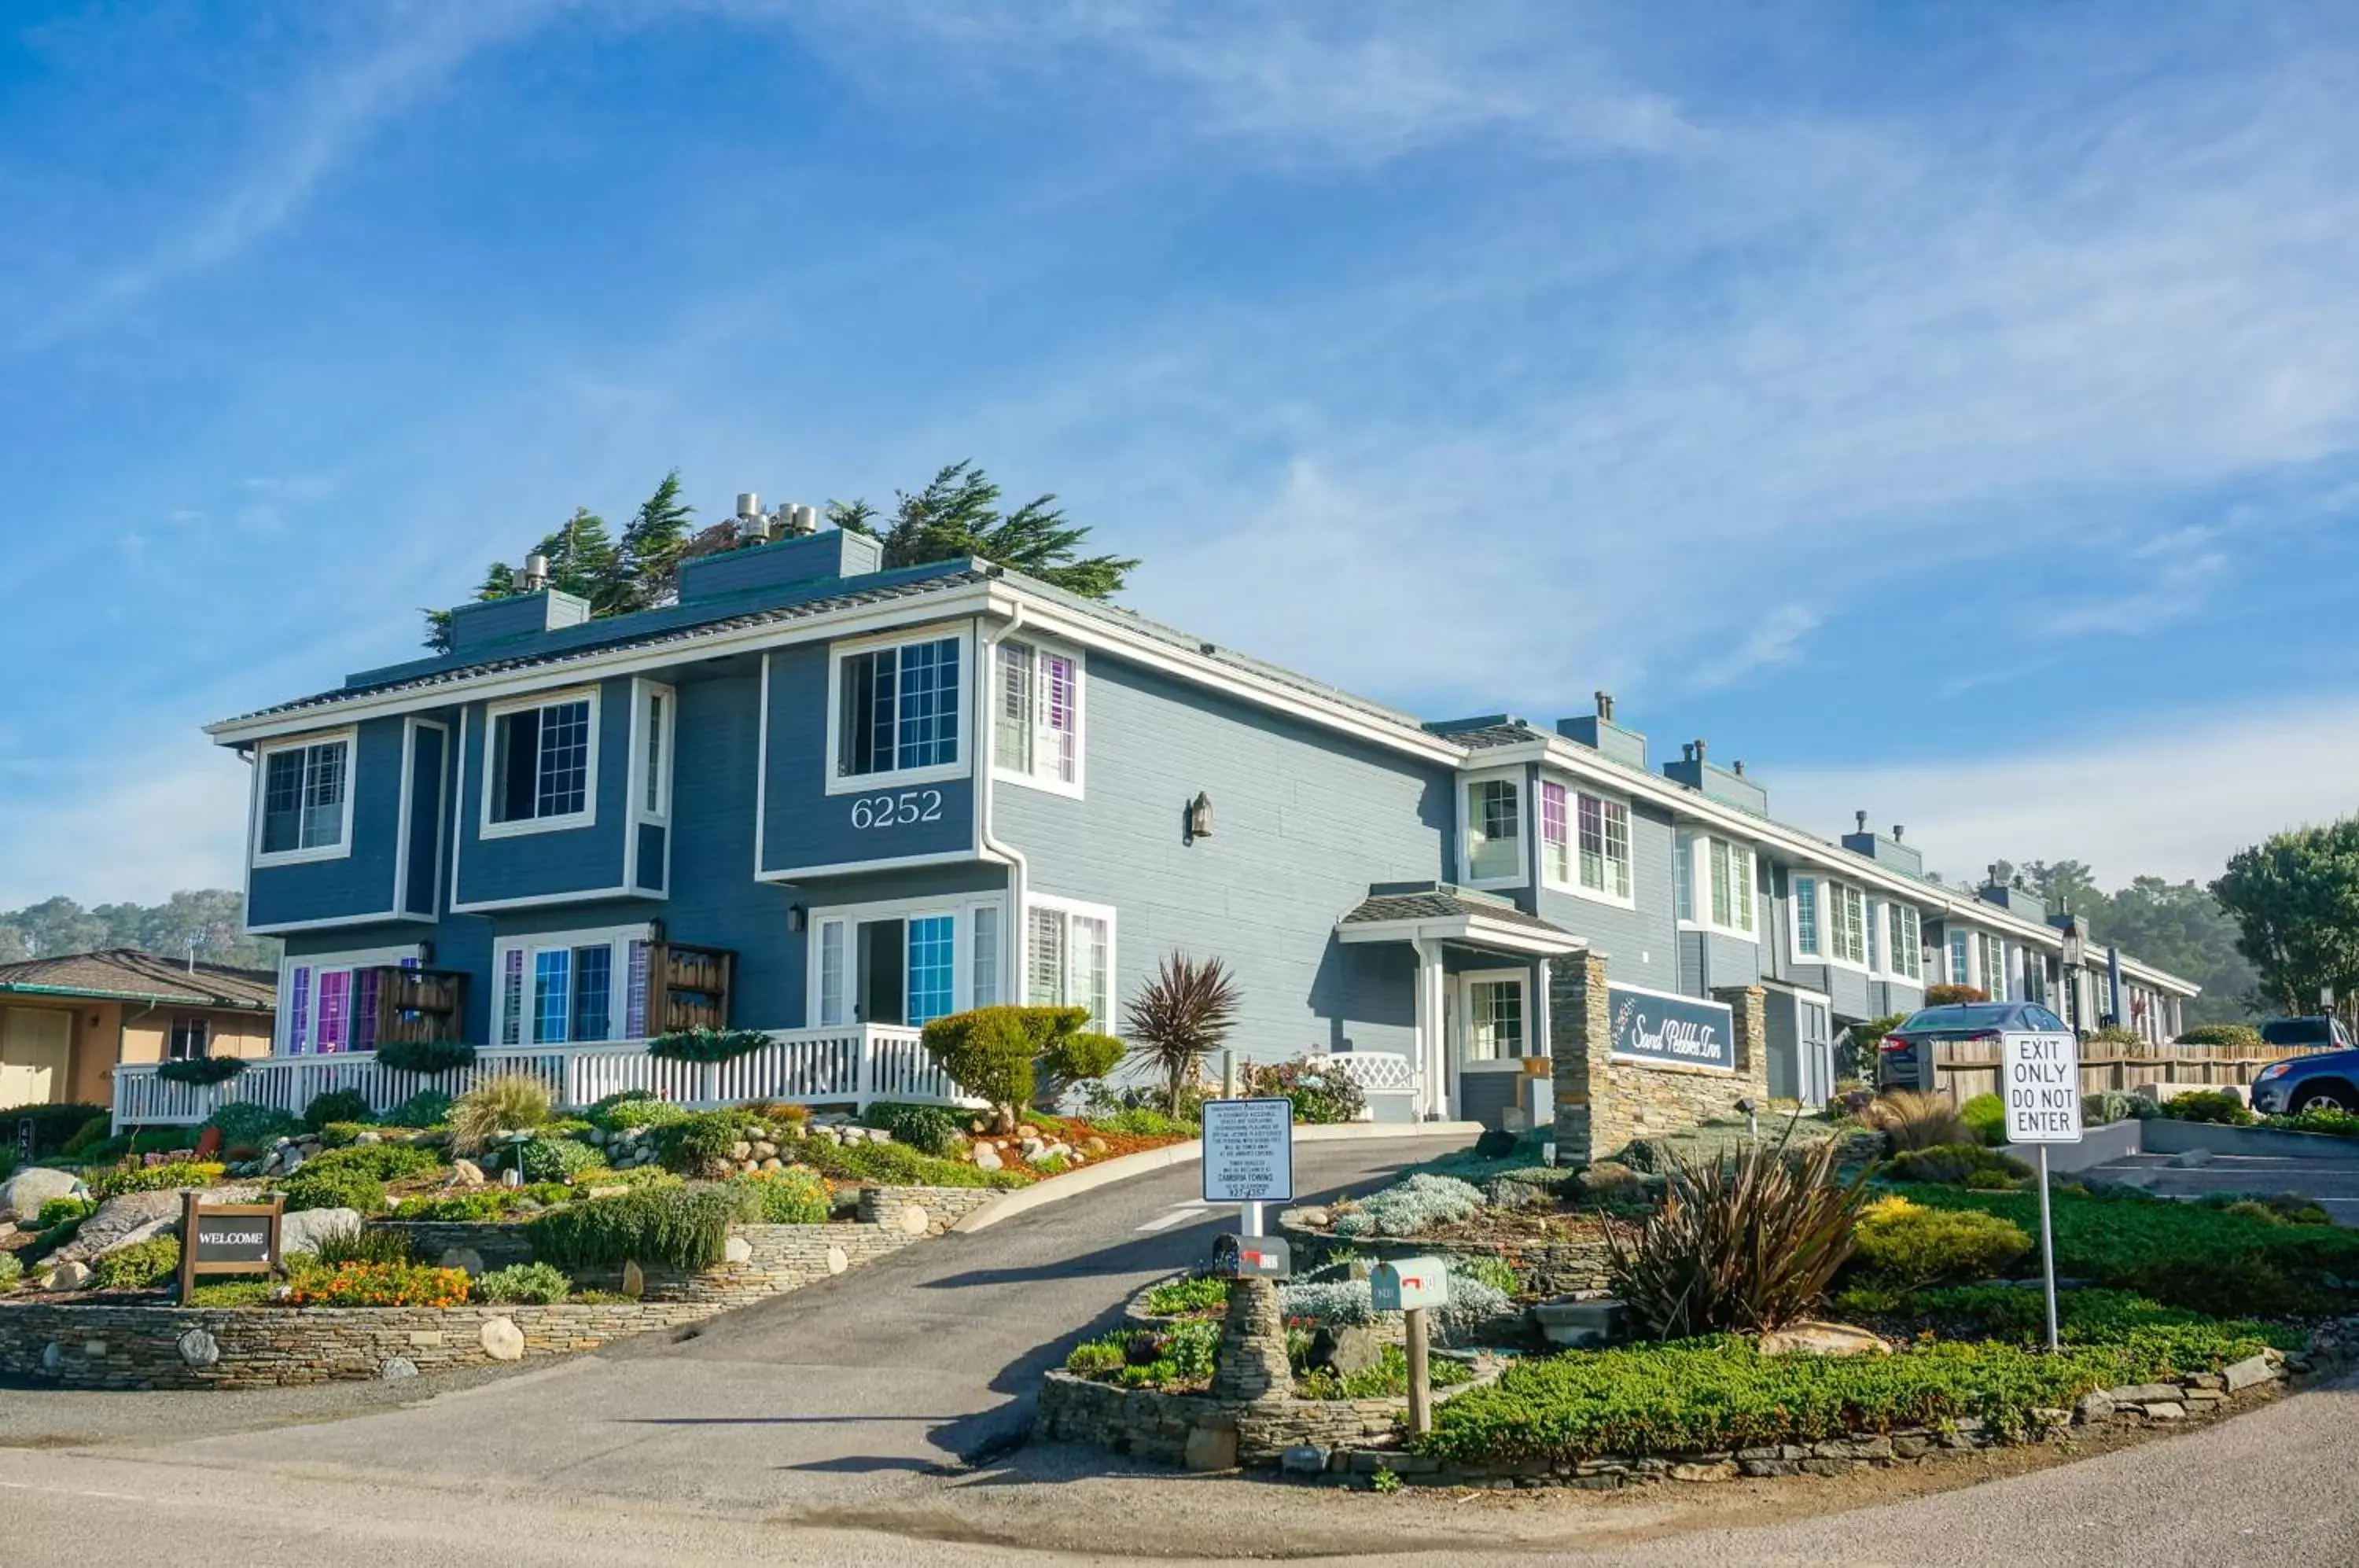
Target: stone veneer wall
1146	1424
1602	1103
1547	1269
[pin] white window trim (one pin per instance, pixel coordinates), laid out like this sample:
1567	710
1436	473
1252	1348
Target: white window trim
1571	882
1889	911
862	783
1524	834
1794	880
961	907
1046	782
1087	912
641	691
1840	891
1464	1002
321	963
1830	893
618	978
584	818
1708	915
342	848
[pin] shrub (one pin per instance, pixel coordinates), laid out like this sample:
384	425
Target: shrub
105	1184
335	1106
52	1125
2113	1034
2243	1035
897	1165
2334	1123
1917	1121
141	1266
1495	1272
12	1272
786	1197
1180	1018
365	1246
1949	996
64	1211
201	1069
2208	1105
1142	1121
535	1284
1179	1298
556	1158
1343	1301
707	1044
1987	1116
684	1227
513	1102
334	1189
633	1110
1179	1357
1952	1164
462	1206
1855	1054
1748	1243
997	1053
930	1129
2109	1105
428	1056
385	1161
95	1130
698	1142
1074	1058
1318	1096
1410	1206
1900	1244
426	1108
378	1285
240	1122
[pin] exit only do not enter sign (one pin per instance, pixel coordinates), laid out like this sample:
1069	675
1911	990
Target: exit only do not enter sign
2042	1087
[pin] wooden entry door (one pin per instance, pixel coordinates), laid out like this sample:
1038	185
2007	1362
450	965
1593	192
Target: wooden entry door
36	1050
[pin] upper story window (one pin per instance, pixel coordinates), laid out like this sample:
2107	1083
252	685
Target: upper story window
1585	842
1806	917
1960	964
543	760
1731	887
1908	937
897	713
1991	953
1495	831
306	801
1037	720
1849	908
1830	921
651	747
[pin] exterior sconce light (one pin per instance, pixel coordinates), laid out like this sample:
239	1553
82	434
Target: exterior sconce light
1200	817
797	916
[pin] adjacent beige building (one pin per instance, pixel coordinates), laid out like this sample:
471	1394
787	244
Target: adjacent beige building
66	1022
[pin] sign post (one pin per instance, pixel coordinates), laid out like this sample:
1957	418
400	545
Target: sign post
1249	1156
227	1239
2042	1075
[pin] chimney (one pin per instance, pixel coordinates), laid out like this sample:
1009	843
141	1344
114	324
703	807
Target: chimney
1606	705
1687	751
1861	818
535	573
1698	751
1737	768
1896	832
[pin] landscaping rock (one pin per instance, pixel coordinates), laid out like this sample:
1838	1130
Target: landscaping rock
503	1341
2162	1410
1810	1337
837	1261
764	1150
23	1194
1210	1448
986	1158
1094	1147
634	1280
913	1219
2189	1159
2247	1373
2094	1406
1347	1347
116	1220
1303	1459
304	1229
394	1368
468	1172
67	1277
1725	1470
2144	1394
198	1350
736	1250
465	1257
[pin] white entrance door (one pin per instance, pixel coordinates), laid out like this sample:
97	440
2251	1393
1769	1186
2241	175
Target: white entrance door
35	1048
1490	1034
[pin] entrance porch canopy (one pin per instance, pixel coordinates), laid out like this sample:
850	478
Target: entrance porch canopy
1431	917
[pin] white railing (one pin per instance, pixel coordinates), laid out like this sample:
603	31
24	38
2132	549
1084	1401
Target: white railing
854	1065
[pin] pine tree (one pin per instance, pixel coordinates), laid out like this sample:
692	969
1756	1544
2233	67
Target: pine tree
654	544
958	514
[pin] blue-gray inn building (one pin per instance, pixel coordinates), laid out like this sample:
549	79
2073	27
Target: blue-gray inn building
832	800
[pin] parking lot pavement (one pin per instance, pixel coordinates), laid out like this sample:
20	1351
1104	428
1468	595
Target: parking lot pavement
2331	1184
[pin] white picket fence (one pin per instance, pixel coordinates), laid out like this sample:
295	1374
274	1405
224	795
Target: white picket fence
855	1065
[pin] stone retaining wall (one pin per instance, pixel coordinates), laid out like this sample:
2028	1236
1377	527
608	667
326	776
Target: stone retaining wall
1146	1424
1546	1269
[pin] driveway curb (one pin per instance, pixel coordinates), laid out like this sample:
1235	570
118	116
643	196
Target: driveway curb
1025	1199
2163	1136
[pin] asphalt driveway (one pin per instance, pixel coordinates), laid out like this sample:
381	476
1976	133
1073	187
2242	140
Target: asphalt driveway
2333	1185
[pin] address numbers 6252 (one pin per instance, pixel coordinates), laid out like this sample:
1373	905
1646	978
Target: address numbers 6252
897	811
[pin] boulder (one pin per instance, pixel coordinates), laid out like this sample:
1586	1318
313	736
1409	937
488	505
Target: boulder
838	1260
24	1193
116	1221
503	1341
986	1158
1093	1146
465	1257
1347	1347
1303	1459
365	1138
67	1277
198	1348
304	1229
736	1250
634	1278
394	1368
2248	1372
913	1220
1210	1448
1810	1337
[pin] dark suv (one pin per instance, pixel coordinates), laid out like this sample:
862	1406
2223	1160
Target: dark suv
1906	1060
2326	1080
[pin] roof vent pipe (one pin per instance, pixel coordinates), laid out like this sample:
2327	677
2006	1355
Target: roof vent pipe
1860	817
535	573
749	505
1606	705
1737	768
1698	751
1687	751
1897	831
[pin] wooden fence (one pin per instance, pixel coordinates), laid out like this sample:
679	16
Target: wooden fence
1965	1068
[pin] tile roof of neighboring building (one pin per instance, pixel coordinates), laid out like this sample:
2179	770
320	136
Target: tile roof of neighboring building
1441	903
124	974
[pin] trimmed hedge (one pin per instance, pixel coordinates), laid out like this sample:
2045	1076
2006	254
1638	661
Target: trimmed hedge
200	1070
335	1106
162	1177
428	1056
52	1125
707	1044
684	1227
1900	1245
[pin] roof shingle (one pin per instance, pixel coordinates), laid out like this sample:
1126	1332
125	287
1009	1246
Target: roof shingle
128	974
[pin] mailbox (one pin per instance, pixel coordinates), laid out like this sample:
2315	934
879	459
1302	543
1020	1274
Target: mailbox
1405	1284
1253	1258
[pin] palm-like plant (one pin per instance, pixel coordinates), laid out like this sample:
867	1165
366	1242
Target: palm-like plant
1180	1018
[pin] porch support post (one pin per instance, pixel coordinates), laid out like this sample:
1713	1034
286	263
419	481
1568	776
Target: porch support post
1432	1040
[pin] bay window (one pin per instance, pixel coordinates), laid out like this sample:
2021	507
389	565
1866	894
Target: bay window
896	713
1849	906
306	808
1037	720
1495	835
1585	842
1908	937
542	760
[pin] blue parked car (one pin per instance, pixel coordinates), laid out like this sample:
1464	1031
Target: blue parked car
1906	1060
2325	1081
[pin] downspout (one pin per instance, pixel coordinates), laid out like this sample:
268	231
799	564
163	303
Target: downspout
1018	870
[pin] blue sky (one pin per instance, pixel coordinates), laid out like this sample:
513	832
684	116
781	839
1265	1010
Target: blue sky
1952	412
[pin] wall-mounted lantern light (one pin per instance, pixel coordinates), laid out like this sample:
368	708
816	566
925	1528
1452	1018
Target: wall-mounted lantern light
796	916
1200	817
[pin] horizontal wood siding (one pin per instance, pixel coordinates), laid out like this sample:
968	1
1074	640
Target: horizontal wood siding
354	886
430	789
804	826
542	865
1640	945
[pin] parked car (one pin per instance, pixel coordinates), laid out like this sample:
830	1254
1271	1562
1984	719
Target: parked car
1905	1059
2325	1080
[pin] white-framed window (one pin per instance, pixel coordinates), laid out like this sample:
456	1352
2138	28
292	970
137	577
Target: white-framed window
1495	830
1497	1021
540	763
1683	878
1584	843
905	960
562	987
190	1039
303	800
1037	717
655	724
1848	905
1962	964
897	711
1068	956
1907	930
1991	955
1729	880
327	1001
1808	937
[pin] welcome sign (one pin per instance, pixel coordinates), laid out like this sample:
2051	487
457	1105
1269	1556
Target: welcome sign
1659	1030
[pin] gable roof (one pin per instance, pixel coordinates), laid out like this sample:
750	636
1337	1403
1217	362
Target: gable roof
127	975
